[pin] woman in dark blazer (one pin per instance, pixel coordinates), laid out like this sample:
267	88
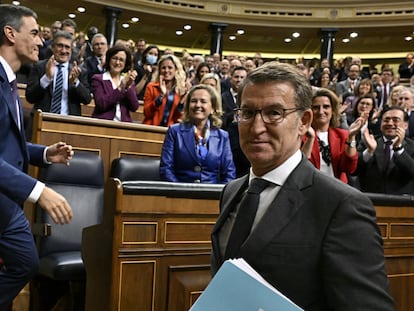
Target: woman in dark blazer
197	150
114	90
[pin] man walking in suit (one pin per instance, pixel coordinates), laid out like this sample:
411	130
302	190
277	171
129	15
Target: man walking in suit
323	252
386	164
56	85
19	44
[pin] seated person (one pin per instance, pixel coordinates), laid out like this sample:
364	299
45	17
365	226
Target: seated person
386	164
197	150
114	90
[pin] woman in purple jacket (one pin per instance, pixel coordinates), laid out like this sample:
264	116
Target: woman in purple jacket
197	150
114	90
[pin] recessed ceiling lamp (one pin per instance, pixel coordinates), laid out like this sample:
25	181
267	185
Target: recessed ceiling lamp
353	34
135	19
125	25
296	35
187	27
232	37
288	40
81	9
346	40
72	15
408	38
240	32
179	32
16	3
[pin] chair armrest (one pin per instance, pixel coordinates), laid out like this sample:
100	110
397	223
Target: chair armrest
42	229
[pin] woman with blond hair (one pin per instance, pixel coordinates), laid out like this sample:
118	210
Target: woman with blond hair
163	98
197	150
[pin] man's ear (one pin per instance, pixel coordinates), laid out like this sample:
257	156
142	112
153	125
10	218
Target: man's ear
9	33
305	121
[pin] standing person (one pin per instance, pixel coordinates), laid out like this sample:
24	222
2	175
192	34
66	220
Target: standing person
323	252
197	150
114	90
19	44
57	85
163	98
146	69
95	63
386	163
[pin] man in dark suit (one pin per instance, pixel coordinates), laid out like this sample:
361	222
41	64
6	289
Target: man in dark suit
386	164
229	96
43	76
95	63
19	44
324	252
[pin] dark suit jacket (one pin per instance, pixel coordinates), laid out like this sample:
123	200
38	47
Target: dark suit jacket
179	162
90	65
228	105
399	176
106	99
15	156
322	251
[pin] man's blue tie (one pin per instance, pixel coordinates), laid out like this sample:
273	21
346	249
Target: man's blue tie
57	92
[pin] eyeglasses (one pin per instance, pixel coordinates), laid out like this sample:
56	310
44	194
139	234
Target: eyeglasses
269	115
63	46
393	119
116	59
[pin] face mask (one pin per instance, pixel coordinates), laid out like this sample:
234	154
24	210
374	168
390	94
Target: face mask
151	59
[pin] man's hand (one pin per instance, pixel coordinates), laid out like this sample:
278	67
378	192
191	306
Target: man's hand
56	206
370	141
398	140
59	153
74	73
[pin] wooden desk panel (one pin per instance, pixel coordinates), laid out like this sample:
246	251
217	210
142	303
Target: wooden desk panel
157	251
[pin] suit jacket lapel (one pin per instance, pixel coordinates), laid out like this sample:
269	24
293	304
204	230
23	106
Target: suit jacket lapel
186	130
280	212
8	96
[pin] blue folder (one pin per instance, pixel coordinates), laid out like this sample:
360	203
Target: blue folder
235	287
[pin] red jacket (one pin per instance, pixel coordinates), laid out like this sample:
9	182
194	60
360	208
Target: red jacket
341	162
152	114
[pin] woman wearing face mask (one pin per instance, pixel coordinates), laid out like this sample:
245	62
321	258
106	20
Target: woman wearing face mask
146	69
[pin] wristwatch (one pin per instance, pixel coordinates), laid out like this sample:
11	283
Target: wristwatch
351	143
398	148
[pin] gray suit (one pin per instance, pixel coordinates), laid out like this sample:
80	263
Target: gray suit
318	243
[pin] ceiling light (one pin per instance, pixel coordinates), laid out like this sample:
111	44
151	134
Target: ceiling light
408	38
346	40
287	40
296	35
72	15
178	32
353	34
125	25
232	37
135	19
240	32
187	27
16	3
81	9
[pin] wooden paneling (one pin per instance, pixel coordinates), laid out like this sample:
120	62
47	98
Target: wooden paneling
164	240
108	138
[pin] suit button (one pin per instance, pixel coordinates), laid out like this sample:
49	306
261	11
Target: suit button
197	181
197	168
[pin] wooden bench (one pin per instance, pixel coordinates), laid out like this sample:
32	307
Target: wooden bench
152	251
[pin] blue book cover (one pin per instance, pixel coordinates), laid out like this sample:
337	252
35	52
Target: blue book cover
237	286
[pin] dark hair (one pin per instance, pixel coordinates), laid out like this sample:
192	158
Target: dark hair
238	68
202	65
355	113
11	15
275	72
147	49
114	50
396	108
69	23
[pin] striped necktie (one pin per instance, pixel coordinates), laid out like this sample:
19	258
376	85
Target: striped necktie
57	92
